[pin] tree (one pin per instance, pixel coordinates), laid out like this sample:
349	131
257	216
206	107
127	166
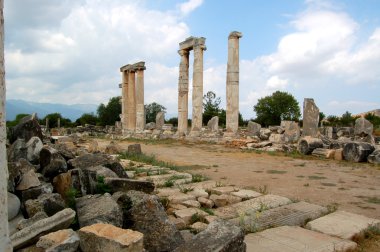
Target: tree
151	110
53	120
87	118
16	120
173	120
272	109
210	106
321	117
375	120
333	120
347	120
110	113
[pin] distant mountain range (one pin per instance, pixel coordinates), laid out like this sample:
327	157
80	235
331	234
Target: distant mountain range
73	112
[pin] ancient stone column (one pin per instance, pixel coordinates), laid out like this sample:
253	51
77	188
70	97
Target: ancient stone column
131	101
199	47
183	92
310	118
140	110
124	98
5	243
232	89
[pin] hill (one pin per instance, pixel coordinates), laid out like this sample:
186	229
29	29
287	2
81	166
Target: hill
73	112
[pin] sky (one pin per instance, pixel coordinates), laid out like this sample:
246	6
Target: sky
70	51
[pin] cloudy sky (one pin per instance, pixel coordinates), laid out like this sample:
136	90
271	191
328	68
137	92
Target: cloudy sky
70	51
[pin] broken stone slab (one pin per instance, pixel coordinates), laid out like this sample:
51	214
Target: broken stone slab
198	227
357	151
28	180
197	192
253	129
224	199
34	192
66	150
147	215
363	127
178	222
307	144
245	194
102	237
213	124
192	203
50	203
134	149
218	236
71	181
374	157
323	153
292	131
206	202
188	213
13	206
223	190
17	150
29	235
26	129
160	120
28	222
113	148
294	214
293	239
260	145
65	240
310	118
124	185
33	148
180	197
51	162
98	208
343	224
251	206
276	138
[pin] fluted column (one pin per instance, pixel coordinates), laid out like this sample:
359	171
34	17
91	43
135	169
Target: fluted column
183	92
131	101
196	124
140	110
124	99
232	89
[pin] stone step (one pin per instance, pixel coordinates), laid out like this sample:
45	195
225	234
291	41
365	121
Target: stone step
250	207
295	239
343	224
294	214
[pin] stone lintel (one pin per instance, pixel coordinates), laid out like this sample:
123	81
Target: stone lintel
192	42
235	34
125	68
138	66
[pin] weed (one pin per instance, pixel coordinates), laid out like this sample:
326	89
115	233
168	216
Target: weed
219	184
276	172
328	184
184	189
300	176
101	187
195	218
165	202
314	177
263	207
207	210
168	183
215	165
263	189
71	194
332	207
197	178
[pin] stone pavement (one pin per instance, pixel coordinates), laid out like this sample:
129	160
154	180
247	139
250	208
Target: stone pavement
272	222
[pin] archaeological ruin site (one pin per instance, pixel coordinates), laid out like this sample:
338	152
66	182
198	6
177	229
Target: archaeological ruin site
154	186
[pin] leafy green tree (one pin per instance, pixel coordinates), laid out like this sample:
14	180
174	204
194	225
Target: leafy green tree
87	118
53	120
16	120
210	106
375	120
272	109
173	120
151	110
332	120
347	120
110	113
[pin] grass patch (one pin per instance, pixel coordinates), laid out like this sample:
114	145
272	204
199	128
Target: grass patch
300	176
151	159
207	210
328	184
152	141
373	200
185	189
314	177
276	172
101	187
198	178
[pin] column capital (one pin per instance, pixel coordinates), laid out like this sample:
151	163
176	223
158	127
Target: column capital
138	66
125	68
183	52
235	34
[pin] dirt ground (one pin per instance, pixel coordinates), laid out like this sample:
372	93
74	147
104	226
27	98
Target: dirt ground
354	187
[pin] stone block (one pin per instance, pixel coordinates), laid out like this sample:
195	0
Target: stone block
187	213
198	227
124	185
310	118
343	224
192	203
102	237
223	190
245	194
224	199
65	240
206	202
50	203
292	239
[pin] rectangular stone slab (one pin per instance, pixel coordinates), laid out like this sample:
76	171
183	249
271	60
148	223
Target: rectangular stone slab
250	207
295	214
295	239
343	224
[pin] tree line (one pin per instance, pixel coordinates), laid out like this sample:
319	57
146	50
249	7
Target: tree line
270	110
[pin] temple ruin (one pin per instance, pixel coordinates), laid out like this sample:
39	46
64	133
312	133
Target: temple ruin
133	112
198	45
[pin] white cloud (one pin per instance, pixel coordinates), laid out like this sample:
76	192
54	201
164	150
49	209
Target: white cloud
276	83
189	6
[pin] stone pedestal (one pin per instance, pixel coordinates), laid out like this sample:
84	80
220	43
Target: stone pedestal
232	89
183	92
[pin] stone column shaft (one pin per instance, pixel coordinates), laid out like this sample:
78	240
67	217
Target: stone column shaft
5	243
124	99
232	88
131	102
196	124
183	92
140	110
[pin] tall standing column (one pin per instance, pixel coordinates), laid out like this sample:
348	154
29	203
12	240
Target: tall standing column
124	99
5	243
232	89
131	101
183	92
140	110
196	124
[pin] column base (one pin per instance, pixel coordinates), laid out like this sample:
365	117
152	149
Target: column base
230	134
194	133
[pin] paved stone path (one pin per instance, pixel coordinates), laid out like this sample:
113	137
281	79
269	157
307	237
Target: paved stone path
273	223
